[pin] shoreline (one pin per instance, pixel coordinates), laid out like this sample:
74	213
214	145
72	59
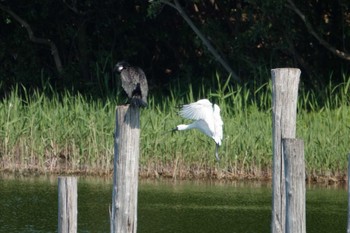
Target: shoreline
168	172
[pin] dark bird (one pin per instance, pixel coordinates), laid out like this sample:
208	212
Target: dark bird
134	83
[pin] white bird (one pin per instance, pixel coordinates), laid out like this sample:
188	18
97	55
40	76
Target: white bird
207	120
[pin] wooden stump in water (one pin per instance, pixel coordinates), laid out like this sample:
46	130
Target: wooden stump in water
348	228
126	166
285	82
293	150
67	204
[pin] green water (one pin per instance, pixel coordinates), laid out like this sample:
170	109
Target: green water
30	205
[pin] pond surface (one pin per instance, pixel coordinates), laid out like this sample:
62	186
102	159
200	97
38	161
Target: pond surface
30	205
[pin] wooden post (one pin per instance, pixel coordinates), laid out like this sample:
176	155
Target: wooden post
285	82
67	204
293	150
126	166
348	229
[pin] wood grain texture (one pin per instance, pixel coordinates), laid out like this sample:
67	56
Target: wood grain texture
294	161
67	205
126	166
285	84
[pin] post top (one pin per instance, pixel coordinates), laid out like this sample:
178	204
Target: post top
286	72
285	68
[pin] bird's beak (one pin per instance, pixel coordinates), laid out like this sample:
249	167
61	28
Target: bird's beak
115	69
170	131
173	131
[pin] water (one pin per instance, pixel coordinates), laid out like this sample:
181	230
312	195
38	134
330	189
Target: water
30	205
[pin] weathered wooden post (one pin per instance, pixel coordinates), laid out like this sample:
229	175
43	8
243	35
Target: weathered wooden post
293	150
348	229
67	204
126	166
285	82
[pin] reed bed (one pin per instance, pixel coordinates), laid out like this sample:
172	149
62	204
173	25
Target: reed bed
65	133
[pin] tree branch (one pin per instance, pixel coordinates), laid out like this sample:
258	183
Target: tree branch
310	29
74	8
33	38
205	41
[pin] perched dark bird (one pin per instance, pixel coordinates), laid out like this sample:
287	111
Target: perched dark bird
134	83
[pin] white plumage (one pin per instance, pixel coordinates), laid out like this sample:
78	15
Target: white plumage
207	120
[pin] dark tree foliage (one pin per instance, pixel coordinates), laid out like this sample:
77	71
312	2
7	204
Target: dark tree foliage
91	36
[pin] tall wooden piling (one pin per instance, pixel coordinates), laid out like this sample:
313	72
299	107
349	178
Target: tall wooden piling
67	204
126	165
348	228
285	82
293	151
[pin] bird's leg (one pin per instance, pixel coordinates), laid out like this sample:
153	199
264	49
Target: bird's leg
217	153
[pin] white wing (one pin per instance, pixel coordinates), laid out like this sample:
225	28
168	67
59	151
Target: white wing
198	110
218	123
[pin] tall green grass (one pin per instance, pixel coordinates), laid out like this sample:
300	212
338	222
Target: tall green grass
38	132
74	133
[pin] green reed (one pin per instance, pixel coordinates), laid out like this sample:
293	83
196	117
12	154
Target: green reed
75	132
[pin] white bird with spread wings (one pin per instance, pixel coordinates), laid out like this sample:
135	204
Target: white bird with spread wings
207	120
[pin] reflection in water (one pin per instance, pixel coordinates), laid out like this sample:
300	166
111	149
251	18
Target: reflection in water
30	205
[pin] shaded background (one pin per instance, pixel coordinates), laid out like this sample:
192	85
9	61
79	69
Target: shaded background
91	36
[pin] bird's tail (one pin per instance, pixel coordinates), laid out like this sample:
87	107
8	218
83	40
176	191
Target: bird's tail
138	102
